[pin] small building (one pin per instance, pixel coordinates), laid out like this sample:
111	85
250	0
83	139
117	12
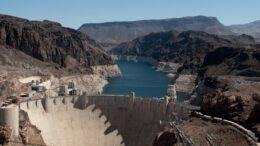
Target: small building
73	92
71	85
63	90
38	88
29	94
171	93
13	98
13	95
32	93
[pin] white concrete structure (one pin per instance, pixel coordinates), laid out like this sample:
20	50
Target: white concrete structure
30	79
104	120
9	116
171	92
46	84
63	90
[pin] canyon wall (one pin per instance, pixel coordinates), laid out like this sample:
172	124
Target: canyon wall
107	71
91	83
185	83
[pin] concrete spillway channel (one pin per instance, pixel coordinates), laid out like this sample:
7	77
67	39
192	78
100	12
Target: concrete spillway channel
98	120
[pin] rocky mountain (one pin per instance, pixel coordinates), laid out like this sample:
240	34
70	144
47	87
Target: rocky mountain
112	33
199	52
232	61
232	98
227	69
252	29
170	46
46	43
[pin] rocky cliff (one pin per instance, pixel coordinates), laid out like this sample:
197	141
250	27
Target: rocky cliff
170	46
106	71
50	43
224	69
233	98
232	61
199	52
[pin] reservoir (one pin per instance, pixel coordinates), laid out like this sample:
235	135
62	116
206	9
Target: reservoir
140	78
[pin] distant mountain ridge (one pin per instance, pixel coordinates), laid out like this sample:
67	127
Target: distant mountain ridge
110	34
113	33
252	29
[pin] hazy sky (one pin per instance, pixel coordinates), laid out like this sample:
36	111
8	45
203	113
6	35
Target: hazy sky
73	13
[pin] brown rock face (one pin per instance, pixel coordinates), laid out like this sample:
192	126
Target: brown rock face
172	45
29	134
232	61
232	98
256	129
255	114
5	134
165	138
50	42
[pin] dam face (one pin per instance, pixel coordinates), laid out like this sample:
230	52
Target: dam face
98	120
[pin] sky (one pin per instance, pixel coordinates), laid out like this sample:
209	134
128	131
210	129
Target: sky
73	13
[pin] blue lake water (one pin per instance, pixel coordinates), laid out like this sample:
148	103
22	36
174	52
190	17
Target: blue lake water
140	78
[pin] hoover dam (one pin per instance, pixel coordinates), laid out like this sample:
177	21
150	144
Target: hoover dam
103	120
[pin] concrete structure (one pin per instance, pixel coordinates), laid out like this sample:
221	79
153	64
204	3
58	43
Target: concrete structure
9	116
171	92
29	94
103	120
63	90
71	85
46	84
30	79
132	95
38	88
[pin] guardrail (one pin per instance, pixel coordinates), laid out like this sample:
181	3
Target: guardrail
242	129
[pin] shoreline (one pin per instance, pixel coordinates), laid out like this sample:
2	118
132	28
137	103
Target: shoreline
184	83
170	70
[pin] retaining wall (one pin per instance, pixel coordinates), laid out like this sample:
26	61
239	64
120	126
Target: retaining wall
30	79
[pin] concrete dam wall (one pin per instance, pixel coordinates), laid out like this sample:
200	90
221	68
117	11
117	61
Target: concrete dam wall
105	120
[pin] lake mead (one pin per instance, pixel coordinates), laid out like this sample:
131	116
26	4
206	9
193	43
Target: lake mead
140	78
